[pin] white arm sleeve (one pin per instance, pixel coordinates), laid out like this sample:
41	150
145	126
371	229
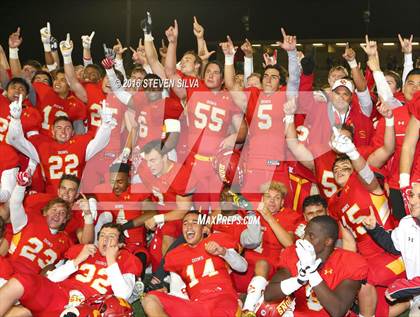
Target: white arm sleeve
87	62
8	182
396	235
99	142
120	66
293	82
62	272
16	138
122	284
177	286
235	261
384	91
366	104
248	68
148	69
408	66
251	237
18	216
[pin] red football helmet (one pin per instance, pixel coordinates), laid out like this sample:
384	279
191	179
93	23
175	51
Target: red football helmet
276	309
100	306
226	164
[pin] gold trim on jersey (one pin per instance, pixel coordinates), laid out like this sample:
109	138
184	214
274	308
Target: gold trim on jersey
380	202
396	266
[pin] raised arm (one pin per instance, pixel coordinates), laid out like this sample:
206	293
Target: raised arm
229	51
66	48
119	50
150	49
202	49
406	48
379	157
46	42
86	43
15	40
408	149
170	61
289	45
15	136
246	47
102	136
298	149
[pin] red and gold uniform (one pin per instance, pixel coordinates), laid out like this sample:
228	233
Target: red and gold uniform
207	280
333	272
47	299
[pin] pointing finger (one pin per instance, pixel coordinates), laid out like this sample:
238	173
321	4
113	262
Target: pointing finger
20	99
92	35
48	27
283	32
68	38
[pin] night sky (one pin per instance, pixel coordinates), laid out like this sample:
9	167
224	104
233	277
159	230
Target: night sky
308	19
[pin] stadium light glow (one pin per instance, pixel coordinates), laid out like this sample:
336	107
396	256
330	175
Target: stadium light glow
340	44
256	45
388	44
318	44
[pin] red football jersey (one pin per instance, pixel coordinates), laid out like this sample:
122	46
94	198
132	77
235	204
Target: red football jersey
9	158
124	207
335	270
91	278
204	274
151	117
209	116
34	203
178	181
50	105
118	109
233	228
324	167
270	246
414	106
351	204
62	158
94	97
35	246
30	118
266	126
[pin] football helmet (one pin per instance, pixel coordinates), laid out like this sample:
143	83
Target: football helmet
228	167
100	306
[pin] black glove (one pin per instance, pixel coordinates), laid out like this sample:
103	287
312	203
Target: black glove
308	65
146	24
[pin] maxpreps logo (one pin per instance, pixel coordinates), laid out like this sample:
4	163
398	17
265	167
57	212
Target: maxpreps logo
228	220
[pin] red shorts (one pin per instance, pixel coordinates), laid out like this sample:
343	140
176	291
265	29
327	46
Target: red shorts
41	296
220	305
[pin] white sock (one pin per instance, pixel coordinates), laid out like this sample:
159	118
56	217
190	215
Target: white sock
255	291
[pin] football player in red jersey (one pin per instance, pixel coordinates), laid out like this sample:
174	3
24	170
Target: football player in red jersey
169	182
57	100
39	239
317	274
31	119
201	263
64	153
125	202
90	270
80	227
214	120
9	162
322	165
360	193
277	226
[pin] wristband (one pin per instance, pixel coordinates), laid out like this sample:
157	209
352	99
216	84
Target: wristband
404	180
389	122
229	59
13	53
148	37
352	63
289	118
290	285
315	279
172	125
52	67
67	59
128	225
366	174
88	219
353	155
159	219
47	47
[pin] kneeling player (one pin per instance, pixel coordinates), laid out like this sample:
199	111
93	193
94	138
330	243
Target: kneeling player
91	270
318	274
201	263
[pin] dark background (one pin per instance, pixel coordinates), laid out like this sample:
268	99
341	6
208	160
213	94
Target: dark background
308	19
